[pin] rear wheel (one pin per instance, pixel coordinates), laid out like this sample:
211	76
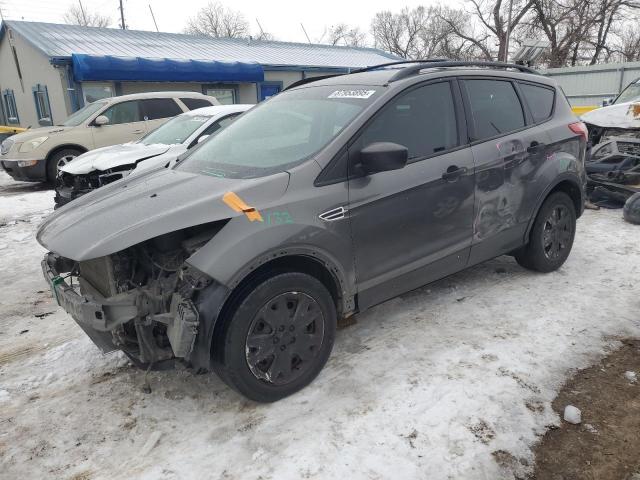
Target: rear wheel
277	338
58	160
552	235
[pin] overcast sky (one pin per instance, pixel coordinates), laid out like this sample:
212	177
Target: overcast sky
280	18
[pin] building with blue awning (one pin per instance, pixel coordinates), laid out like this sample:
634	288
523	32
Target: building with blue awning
48	71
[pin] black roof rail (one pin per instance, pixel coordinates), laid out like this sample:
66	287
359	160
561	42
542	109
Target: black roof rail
400	62
409	71
304	81
418	65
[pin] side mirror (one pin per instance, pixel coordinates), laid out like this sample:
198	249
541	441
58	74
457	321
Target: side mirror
101	120
606	102
383	156
203	138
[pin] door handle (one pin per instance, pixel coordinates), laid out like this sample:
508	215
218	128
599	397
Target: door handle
535	147
453	173
138	131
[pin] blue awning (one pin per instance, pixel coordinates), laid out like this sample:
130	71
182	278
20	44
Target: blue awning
99	67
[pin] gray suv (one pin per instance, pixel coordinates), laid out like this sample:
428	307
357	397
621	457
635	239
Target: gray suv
329	198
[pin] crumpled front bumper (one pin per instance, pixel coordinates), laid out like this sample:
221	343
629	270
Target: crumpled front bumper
96	315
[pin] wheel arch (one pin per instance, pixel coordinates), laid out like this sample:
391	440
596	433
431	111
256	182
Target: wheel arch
64	146
226	298
567	184
59	148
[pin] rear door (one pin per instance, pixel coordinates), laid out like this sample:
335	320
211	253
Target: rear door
507	149
156	111
413	225
125	124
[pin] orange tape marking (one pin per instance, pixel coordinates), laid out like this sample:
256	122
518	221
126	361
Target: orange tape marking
238	205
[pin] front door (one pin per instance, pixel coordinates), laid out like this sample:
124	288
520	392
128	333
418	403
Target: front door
126	124
413	225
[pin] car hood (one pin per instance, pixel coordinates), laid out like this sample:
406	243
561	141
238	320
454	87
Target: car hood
114	156
32	133
623	115
136	209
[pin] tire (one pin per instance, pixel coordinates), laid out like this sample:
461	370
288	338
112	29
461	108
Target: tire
631	210
59	159
552	235
276	337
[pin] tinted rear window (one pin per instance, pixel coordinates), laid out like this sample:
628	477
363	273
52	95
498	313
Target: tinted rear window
155	108
539	99
193	103
495	107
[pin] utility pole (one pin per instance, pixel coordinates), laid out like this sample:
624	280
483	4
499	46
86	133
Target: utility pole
305	32
84	16
154	18
122	25
508	32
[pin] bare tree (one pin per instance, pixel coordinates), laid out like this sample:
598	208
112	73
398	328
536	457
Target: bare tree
215	20
627	43
438	31
76	15
498	19
343	34
609	14
398	33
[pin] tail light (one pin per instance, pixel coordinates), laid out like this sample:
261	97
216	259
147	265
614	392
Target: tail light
580	128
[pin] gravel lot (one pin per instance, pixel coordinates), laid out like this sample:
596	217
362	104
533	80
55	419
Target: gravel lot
454	380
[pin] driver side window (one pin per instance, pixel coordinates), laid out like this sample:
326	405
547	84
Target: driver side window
422	119
125	112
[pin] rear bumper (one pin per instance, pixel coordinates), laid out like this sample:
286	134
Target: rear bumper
96	315
34	173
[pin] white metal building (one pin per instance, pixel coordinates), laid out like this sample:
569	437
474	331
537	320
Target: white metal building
48	71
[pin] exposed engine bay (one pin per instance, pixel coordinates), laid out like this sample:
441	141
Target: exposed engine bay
141	300
70	186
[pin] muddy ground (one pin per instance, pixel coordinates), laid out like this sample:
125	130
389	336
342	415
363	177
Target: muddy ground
606	445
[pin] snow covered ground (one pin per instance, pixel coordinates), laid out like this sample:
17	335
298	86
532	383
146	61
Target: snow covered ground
452	381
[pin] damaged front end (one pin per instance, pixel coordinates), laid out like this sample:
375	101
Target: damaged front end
143	300
71	186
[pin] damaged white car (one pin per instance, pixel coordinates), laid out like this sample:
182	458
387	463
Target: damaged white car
159	148
614	132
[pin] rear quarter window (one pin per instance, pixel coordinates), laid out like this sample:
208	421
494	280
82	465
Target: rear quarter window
540	100
193	103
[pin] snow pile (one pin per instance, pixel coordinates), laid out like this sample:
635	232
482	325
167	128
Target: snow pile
572	415
631	377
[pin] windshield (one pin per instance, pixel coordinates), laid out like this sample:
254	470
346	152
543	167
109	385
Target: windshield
280	133
176	130
632	92
83	114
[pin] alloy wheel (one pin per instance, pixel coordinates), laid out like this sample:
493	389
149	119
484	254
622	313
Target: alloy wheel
556	232
62	161
284	338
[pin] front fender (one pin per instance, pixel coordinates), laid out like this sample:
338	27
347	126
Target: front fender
242	246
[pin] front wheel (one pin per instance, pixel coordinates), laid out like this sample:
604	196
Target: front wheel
552	235
277	338
58	160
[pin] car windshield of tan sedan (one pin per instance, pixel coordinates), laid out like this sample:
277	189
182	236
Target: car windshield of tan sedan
83	114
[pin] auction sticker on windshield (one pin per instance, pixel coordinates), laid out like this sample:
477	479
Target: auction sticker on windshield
352	94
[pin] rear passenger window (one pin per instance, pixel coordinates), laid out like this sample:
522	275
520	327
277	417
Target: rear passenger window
193	103
495	107
155	108
423	120
539	99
